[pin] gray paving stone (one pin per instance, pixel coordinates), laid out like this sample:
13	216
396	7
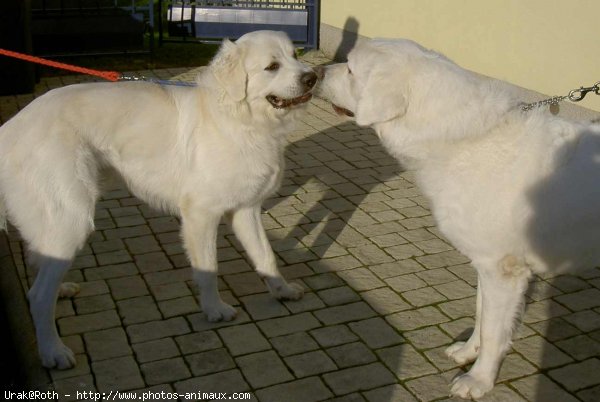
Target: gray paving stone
340	314
405	283
361	279
92	288
170	291
396	268
585	321
164	371
514	366
423	297
580	347
323	281
110	271
113	257
155	350
227	381
590	395
405	362
310	363
334	335
263	369
245	283
359	378
263	306
390	393
289	325
120	374
138	310
107	344
578	375
157	329
93	304
142	244
88	322
418	318
427	338
376	332
200	323
581	300
152	262
305	390
456	290
370	254
243	339
209	362
335	264
459	308
70	386
180	306
198	342
445	259
385	301
430	387
351	354
541	352
299	342
308	302
127	287
339	295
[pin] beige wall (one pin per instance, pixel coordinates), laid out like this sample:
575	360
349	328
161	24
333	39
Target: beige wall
550	46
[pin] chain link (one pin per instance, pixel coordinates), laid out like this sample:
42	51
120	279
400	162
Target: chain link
574	96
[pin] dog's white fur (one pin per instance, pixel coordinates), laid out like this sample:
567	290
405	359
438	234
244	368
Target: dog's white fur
517	192
198	152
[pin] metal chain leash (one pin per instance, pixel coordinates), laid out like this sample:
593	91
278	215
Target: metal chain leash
574	96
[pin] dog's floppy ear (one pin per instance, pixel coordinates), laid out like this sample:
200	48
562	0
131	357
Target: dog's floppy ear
228	68
382	99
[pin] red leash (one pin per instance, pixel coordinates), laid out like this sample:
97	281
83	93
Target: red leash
107	75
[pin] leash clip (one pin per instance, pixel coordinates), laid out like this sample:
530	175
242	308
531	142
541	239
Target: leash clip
124	77
578	94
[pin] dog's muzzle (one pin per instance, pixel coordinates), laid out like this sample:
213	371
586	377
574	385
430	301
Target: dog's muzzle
308	81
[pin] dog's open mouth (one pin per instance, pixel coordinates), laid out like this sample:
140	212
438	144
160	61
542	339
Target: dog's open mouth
282	103
342	111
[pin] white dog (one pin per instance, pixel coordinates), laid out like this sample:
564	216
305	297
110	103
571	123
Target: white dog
199	152
517	192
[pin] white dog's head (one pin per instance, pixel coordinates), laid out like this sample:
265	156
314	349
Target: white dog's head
261	69
372	86
392	82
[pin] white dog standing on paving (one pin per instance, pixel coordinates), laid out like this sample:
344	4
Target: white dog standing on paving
517	192
199	152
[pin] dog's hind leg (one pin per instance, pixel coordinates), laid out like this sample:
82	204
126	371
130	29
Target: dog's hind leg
502	287
247	225
465	352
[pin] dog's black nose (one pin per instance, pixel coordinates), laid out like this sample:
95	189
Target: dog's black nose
308	80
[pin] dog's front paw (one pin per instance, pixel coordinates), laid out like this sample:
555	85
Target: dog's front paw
468	386
68	289
287	291
462	352
221	311
58	356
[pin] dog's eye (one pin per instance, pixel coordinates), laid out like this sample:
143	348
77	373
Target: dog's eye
349	71
273	66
